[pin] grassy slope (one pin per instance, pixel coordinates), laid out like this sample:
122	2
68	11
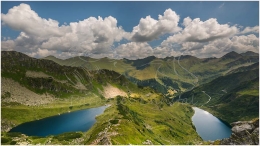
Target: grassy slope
155	68
240	102
15	65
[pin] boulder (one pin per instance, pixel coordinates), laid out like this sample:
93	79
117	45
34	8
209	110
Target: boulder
243	133
243	129
148	142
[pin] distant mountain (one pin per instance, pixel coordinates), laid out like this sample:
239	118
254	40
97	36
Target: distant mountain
188	57
182	70
231	55
51	58
140	64
249	53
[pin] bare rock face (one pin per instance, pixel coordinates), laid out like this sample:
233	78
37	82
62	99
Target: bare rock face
243	133
242	128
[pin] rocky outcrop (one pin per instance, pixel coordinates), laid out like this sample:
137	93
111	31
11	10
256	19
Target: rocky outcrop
6	125
13	92
243	133
147	142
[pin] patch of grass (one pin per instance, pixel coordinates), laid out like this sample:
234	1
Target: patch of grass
68	136
13	134
249	92
5	140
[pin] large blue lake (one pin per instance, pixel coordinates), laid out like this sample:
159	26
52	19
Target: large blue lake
81	120
208	126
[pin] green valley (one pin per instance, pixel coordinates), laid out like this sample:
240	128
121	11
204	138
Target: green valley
184	72
150	99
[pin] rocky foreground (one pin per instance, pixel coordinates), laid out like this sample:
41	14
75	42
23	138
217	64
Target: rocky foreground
243	133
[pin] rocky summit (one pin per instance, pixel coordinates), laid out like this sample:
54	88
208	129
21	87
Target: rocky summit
243	133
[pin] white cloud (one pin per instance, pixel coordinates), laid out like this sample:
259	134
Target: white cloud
162	52
245	43
7	45
23	18
219	47
198	31
250	30
211	39
92	35
42	53
191	46
95	37
134	50
149	29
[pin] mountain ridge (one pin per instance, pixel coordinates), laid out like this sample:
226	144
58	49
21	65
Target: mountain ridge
182	71
247	53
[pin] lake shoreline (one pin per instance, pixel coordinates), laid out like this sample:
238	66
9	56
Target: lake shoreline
225	122
208	126
80	120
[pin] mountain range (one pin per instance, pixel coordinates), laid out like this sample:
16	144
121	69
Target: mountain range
179	73
32	89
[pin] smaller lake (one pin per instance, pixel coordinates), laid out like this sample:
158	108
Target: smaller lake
81	120
208	126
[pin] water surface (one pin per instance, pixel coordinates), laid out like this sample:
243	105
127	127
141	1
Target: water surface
81	120
208	126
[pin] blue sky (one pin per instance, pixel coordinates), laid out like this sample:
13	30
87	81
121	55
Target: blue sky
237	15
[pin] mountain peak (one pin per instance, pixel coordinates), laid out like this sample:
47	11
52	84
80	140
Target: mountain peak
231	55
188	57
249	53
50	56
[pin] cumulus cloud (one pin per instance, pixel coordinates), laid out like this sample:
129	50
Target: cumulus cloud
134	50
7	45
202	31
95	37
245	43
162	52
250	30
149	29
92	35
23	18
211	39
191	46
138	50
42	53
220	47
